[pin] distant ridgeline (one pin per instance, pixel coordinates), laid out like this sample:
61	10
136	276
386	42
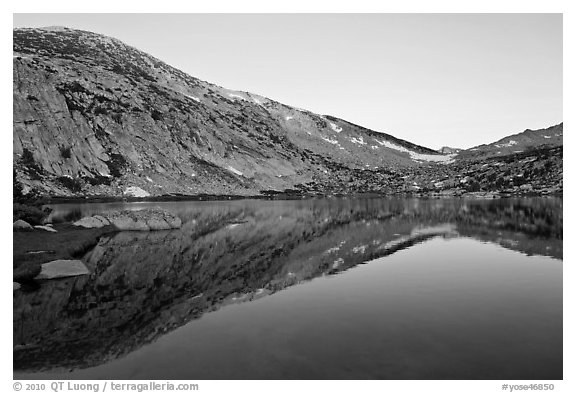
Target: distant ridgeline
95	117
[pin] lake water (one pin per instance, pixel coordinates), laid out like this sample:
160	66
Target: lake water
358	288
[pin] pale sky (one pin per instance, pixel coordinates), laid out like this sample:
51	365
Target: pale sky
433	79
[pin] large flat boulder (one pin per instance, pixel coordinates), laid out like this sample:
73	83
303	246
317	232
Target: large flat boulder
144	220
92	222
62	268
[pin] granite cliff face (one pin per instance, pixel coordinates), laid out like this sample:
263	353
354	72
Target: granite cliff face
93	116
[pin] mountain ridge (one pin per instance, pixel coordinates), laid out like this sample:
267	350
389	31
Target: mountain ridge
94	116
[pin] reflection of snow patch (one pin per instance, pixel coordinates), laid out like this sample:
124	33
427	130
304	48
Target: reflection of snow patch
547	136
337	263
335	248
359	249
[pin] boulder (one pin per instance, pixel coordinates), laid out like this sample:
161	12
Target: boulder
102	218
62	268
136	192
158	224
16	286
127	222
144	220
92	222
21	225
45	228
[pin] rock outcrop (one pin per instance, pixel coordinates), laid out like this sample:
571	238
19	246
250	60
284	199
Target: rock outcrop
95	221
144	220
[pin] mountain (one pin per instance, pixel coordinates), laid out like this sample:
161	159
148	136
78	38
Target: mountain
95	117
518	143
449	150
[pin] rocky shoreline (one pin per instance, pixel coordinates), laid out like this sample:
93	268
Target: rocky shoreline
292	194
44	252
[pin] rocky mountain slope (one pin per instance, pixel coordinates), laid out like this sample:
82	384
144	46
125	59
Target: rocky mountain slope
95	117
518	143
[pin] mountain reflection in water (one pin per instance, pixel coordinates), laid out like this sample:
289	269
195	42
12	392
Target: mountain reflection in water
146	284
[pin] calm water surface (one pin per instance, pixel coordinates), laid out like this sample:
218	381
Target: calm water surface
316	289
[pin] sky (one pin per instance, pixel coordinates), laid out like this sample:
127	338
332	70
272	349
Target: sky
456	80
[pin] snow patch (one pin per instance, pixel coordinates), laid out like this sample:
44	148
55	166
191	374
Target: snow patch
193	98
332	141
359	141
237	96
547	136
289	117
510	143
335	128
234	170
448	158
